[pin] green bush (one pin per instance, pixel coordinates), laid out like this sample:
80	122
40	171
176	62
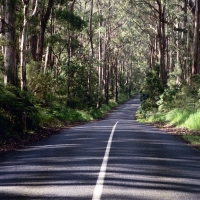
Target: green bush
157	117
151	91
193	122
166	101
17	111
178	116
41	85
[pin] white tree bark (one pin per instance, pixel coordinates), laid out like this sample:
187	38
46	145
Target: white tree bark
24	40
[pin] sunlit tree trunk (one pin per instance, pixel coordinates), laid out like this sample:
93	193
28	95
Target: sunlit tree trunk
24	41
162	45
23	46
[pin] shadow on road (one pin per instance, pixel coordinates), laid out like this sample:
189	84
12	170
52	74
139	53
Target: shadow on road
144	163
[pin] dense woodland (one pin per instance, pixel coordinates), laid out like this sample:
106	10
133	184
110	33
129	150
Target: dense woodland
63	61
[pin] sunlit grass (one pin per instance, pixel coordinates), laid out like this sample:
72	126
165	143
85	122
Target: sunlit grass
187	118
193	121
194	139
157	117
177	117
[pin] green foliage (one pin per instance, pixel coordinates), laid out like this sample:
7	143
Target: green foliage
166	101
177	116
183	97
98	113
17	111
40	85
1	63
157	117
59	114
193	122
178	106
194	139
150	91
80	97
67	16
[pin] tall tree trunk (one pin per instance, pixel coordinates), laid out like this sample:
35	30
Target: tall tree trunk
10	75
106	65
2	26
116	79
162	45
152	54
34	35
107	53
100	92
69	50
91	52
43	25
23	46
195	56
47	55
107	80
178	67
24	42
185	41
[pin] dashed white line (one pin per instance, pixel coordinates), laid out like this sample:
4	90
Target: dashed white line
100	181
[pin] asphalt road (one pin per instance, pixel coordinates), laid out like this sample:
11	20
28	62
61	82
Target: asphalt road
116	158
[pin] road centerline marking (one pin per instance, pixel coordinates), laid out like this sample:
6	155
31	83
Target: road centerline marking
100	181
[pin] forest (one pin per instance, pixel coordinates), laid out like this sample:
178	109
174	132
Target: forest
65	61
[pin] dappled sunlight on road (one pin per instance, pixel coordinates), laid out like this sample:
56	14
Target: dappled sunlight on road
144	163
151	165
67	168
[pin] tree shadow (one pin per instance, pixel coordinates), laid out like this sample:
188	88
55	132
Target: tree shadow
144	163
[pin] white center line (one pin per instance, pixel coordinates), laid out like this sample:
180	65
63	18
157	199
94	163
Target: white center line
100	181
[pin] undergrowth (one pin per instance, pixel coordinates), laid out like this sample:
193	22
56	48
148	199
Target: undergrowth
58	115
21	113
177	106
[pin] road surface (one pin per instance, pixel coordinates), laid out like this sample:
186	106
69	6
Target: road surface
113	159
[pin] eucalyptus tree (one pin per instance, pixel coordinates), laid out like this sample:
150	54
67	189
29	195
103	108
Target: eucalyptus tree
8	15
107	20
168	25
24	39
195	55
44	14
100	50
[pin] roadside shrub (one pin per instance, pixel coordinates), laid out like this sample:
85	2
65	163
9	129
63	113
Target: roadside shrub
41	85
166	101
157	117
193	122
178	116
17	111
150	91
